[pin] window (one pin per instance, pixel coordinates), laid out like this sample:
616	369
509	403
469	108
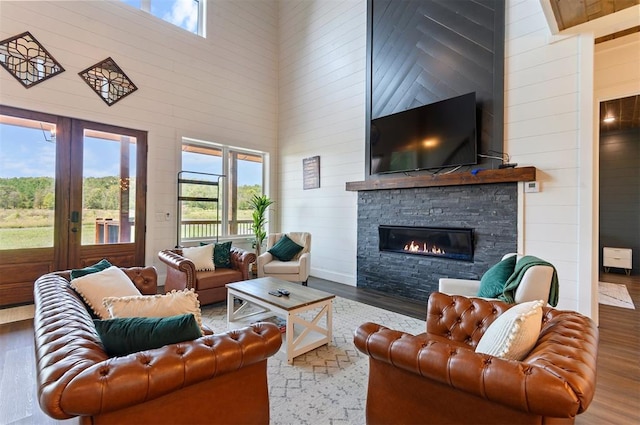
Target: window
186	14
243	172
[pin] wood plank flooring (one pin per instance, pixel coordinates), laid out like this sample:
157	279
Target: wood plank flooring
617	398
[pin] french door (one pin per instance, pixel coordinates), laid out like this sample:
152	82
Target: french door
71	193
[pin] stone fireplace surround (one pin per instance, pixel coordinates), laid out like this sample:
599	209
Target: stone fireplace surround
490	209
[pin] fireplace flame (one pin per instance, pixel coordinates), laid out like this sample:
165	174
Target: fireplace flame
414	247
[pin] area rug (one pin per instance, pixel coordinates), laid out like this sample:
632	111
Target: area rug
614	294
329	384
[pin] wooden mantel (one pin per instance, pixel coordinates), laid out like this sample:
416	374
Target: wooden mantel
505	175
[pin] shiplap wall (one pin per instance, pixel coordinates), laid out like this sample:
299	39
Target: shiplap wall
321	112
543	100
222	88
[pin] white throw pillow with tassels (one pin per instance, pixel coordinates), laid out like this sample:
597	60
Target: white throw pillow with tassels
514	333
173	303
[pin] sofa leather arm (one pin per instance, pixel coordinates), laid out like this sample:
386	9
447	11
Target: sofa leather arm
120	382
181	272
241	260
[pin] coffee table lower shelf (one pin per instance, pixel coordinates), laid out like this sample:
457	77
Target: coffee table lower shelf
305	329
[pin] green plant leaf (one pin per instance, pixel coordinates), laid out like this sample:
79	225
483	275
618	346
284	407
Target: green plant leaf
259	203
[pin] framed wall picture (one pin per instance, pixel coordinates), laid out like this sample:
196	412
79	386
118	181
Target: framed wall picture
311	172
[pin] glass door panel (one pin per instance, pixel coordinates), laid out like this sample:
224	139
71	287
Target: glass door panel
27	183
108	188
62	182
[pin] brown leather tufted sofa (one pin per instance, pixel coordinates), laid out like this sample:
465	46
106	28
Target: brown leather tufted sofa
209	285
219	378
437	378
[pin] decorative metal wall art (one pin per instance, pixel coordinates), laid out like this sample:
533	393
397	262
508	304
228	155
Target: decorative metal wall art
108	80
27	60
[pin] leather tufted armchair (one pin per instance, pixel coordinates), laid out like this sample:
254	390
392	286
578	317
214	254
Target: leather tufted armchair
209	285
437	377
191	382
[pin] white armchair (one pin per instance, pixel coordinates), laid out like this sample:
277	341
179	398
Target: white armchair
296	270
535	284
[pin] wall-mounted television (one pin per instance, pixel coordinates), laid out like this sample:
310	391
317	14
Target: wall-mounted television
437	135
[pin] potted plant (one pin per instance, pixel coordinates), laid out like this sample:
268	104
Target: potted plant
259	203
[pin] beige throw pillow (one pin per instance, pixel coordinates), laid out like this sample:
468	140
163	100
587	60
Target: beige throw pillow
201	256
514	333
110	282
170	304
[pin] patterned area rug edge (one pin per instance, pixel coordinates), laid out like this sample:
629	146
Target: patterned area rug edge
329	384
614	294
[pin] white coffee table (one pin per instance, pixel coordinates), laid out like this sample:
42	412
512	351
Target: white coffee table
303	310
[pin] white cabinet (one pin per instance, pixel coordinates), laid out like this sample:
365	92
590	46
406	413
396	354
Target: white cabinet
616	257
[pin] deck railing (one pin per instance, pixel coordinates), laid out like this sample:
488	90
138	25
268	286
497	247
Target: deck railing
203	229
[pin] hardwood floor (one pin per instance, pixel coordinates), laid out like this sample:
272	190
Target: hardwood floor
617	398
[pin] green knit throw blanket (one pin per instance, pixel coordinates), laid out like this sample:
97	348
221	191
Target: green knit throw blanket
522	266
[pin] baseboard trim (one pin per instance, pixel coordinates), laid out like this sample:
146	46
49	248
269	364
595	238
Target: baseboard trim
335	277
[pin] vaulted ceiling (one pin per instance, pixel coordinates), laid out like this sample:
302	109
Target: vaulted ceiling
570	13
567	14
576	16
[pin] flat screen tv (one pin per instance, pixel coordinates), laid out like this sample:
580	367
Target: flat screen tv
438	135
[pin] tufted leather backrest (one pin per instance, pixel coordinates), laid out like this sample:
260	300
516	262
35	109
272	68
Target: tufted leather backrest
460	318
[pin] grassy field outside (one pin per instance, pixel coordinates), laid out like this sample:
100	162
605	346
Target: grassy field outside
33	228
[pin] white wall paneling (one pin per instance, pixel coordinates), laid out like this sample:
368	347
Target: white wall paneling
221	88
321	112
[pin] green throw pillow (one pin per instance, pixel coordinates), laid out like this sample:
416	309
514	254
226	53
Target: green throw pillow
493	281
285	249
97	267
221	254
122	336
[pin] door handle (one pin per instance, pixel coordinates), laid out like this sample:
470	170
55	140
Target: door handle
75	218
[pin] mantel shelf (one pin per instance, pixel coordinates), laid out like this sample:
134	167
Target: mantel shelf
505	175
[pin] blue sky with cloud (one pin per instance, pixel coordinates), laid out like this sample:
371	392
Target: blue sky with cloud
182	13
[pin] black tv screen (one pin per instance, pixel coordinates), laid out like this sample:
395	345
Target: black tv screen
438	135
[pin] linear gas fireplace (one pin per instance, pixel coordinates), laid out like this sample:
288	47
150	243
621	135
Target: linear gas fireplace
444	242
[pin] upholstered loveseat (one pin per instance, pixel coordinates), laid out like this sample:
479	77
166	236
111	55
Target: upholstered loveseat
437	377
209	285
218	378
